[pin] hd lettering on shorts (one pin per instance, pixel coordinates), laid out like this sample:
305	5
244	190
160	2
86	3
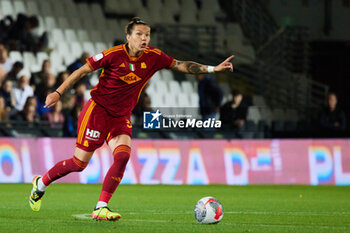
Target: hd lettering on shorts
92	134
130	78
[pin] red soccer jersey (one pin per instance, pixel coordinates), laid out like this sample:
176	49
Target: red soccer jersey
123	77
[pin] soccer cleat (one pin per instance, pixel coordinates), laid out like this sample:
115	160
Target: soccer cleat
104	213
35	195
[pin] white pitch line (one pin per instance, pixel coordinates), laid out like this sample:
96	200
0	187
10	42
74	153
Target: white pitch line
248	213
88	216
283	225
82	216
288	213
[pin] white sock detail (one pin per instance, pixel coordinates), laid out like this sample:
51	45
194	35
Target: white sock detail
101	204
41	185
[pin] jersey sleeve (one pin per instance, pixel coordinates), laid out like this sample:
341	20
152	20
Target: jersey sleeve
100	60
165	61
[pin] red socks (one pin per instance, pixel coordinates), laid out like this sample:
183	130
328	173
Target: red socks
63	168
113	177
115	173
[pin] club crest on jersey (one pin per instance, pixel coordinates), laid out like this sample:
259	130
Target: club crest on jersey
132	67
143	65
130	78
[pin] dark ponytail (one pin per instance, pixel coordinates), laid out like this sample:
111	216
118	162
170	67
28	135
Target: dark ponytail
134	21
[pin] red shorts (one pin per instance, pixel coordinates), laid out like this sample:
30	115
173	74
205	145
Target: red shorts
95	126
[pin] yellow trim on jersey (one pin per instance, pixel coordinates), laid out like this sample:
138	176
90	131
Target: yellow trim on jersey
172	64
113	48
156	51
111	51
141	90
102	73
134	59
85	121
88	62
109	134
93	89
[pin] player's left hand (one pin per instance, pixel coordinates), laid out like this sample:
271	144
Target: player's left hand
225	65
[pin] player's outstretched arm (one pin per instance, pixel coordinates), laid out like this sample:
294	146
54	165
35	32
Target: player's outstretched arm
53	98
190	67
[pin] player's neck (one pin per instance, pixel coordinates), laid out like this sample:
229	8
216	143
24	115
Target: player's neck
133	52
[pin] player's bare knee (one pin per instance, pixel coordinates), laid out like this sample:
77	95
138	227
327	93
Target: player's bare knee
79	165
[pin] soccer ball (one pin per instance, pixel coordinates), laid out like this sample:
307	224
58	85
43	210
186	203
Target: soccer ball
208	210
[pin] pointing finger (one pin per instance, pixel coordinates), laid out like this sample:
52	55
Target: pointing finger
229	58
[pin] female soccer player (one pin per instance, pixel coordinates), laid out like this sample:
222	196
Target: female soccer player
106	116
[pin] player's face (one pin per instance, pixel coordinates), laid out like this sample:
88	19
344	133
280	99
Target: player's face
139	38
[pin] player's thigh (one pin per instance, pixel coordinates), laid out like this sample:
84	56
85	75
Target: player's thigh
122	139
120	132
82	155
92	127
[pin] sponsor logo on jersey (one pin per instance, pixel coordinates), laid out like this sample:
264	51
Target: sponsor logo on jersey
130	78
122	65
97	57
92	134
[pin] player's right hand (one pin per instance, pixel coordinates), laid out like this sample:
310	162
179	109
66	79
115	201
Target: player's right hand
51	99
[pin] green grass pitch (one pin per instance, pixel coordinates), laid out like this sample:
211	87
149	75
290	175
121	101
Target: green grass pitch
163	208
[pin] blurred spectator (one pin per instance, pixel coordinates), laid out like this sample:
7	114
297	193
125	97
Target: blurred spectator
38	77
32	101
61	77
117	42
234	113
210	96
27	114
55	116
144	104
80	94
16	68
26	32
332	118
5	62
3	111
5	26
43	89
71	122
7	92
68	103
22	92
79	63
2	73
